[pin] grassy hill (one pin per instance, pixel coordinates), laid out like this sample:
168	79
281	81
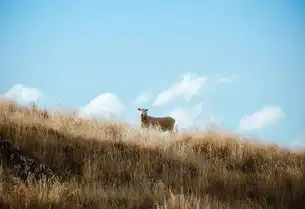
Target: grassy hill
60	161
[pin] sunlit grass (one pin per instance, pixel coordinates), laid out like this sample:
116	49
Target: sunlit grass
113	165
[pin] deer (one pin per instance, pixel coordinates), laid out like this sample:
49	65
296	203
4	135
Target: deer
165	123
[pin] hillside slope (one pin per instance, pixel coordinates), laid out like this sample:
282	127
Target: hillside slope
59	161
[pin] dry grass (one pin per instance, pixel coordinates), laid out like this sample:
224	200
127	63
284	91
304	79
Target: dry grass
111	165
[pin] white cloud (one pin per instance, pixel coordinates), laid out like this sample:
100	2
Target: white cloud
144	97
258	120
105	105
22	94
188	87
185	117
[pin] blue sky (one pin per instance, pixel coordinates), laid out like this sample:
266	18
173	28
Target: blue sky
216	61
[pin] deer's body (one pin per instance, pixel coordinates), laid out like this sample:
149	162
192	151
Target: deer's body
165	123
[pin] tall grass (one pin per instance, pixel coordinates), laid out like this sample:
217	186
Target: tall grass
112	165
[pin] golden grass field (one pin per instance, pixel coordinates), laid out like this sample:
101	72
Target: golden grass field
113	165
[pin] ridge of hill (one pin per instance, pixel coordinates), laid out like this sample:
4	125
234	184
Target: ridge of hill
61	161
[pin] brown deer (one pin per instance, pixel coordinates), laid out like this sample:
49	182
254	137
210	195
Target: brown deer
165	123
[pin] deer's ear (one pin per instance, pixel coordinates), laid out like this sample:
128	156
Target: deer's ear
139	109
146	110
